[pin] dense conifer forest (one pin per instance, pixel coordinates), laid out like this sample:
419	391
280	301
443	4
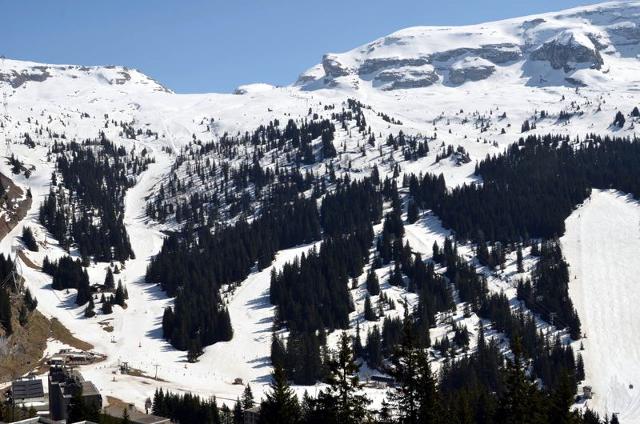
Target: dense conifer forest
529	191
194	268
68	273
86	204
508	212
13	298
484	387
6	268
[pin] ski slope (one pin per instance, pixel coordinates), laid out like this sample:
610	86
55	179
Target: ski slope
601	244
135	333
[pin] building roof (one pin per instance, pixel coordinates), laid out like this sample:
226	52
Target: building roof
89	389
135	416
27	389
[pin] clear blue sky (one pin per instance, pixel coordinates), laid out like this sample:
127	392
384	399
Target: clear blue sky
204	46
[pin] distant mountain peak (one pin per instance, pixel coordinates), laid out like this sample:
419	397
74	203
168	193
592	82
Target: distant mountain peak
17	73
551	46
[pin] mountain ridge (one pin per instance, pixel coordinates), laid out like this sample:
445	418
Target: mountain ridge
408	49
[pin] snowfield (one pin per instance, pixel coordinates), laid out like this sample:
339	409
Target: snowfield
601	244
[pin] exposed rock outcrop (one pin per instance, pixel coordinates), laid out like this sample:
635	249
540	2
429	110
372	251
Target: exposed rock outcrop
371	66
333	67
406	77
569	48
16	79
471	69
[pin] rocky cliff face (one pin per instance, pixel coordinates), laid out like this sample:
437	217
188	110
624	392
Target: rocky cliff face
17	73
548	47
470	69
567	50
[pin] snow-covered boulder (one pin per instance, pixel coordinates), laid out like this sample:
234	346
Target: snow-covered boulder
568	48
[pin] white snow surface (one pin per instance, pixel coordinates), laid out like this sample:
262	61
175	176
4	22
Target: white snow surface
601	244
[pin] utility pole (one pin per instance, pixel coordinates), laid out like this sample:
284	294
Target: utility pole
156	366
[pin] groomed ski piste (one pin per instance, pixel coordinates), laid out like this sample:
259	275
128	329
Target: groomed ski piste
601	244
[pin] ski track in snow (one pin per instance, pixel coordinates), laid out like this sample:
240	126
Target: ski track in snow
137	334
601	244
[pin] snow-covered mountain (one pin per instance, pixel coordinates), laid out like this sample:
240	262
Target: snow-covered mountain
16	73
419	74
466	91
576	47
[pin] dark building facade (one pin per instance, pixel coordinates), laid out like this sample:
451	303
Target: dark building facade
64	384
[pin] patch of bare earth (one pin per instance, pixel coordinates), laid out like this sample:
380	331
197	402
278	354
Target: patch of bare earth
14	205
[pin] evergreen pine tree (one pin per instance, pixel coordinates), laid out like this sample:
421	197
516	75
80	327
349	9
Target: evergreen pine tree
30	301
247	398
119	298
413	212
619	120
23	315
374	348
238	413
358	350
519	259
404	369
427	392
107	307
562	398
5	311
373	286
84	291
521	403
28	239
343	400
280	405
278	351
369	313
580	368
109	282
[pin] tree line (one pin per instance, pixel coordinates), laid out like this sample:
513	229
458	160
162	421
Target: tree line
531	189
85	206
193	268
483	387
